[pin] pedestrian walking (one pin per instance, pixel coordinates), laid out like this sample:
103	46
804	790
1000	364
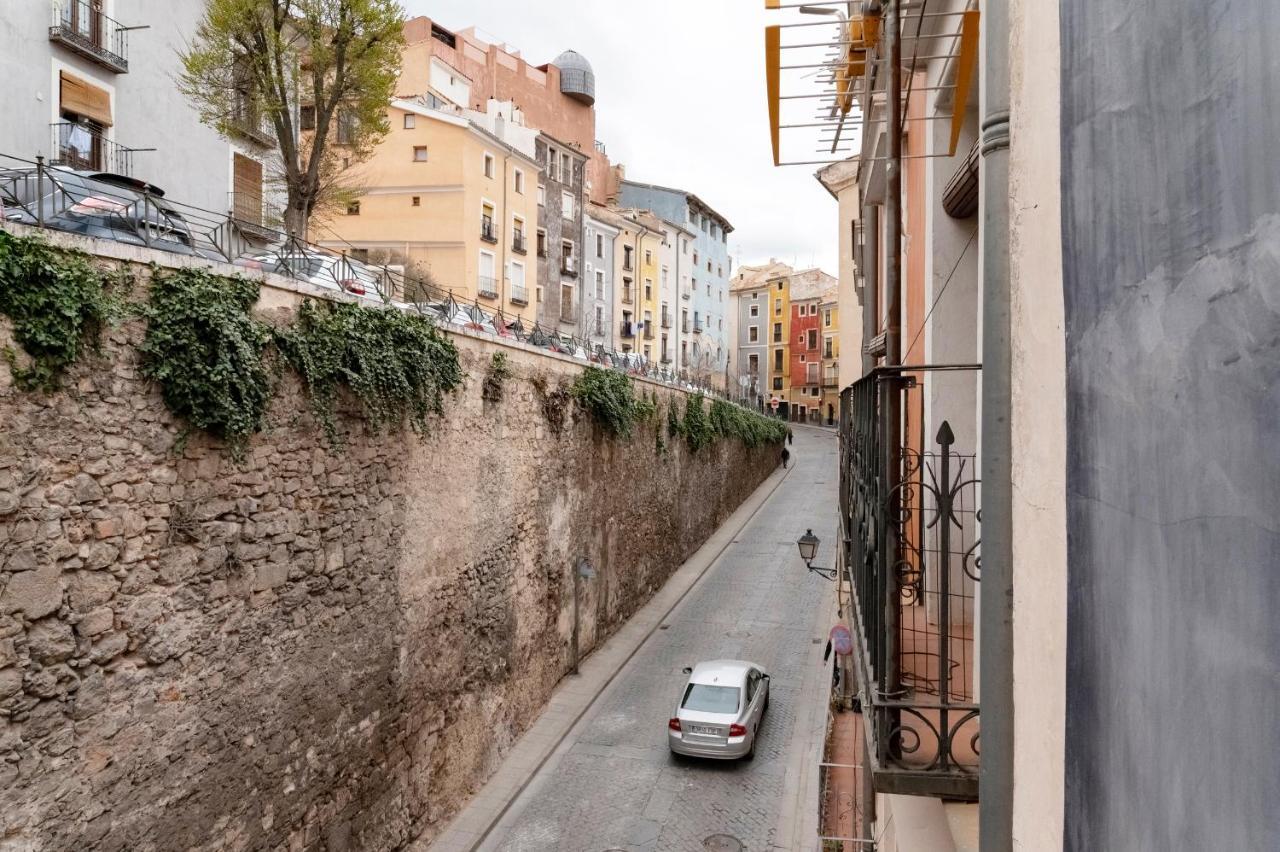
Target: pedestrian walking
840	641
786	457
791	438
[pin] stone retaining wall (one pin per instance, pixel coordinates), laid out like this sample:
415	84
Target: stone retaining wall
312	648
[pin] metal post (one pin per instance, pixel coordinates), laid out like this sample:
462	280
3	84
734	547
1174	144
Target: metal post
996	608
40	191
891	408
577	583
943	567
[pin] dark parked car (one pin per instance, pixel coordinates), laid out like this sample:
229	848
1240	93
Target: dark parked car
97	204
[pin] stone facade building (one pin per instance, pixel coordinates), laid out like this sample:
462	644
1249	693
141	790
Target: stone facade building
559	240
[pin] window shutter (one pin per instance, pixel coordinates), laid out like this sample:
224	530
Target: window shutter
85	99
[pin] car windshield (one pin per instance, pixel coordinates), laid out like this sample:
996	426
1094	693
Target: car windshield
710	699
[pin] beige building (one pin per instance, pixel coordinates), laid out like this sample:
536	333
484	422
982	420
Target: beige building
636	254
841	180
451	195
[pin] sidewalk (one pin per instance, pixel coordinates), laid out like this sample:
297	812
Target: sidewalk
489	813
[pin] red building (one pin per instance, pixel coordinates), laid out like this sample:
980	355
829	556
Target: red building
805	355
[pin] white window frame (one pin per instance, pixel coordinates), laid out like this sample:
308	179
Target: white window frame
490	165
517	181
566	204
410	121
753	334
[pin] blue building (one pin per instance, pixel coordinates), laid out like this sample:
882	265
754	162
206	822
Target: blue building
705	270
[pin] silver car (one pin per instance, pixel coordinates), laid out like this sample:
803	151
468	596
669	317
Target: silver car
720	710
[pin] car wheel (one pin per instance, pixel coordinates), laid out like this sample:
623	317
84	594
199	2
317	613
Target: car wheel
751	753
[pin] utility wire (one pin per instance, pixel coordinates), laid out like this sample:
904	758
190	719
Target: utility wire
938	298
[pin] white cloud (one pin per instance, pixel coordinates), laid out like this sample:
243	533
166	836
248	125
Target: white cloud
680	99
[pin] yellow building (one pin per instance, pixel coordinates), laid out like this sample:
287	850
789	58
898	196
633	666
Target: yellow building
452	195
779	325
636	259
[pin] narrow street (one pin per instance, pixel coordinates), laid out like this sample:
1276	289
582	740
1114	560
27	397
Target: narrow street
612	784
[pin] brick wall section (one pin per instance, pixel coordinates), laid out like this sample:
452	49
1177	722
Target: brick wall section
310	649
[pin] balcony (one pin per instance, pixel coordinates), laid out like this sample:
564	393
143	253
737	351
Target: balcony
666	320
697	328
628	296
487	286
628	264
648	330
519	294
627	330
80	146
569	266
517	243
684	326
488	231
911	528
81	28
253	216
249	123
831	377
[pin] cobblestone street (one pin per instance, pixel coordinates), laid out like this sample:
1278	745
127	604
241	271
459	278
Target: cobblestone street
612	783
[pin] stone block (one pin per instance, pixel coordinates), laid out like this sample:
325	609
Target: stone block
33	593
89	589
22	559
50	641
270	575
96	621
108	647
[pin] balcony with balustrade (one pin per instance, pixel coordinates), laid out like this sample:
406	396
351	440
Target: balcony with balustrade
80	26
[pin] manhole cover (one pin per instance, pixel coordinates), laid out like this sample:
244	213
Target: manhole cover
723	843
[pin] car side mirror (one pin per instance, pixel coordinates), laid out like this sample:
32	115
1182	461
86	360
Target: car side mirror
688	669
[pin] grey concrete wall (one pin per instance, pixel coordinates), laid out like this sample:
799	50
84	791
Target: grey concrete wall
1171	259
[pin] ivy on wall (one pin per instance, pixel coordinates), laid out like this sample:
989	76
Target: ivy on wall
206	351
396	363
58	303
611	400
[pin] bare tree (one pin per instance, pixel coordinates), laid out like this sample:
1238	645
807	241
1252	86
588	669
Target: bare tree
319	73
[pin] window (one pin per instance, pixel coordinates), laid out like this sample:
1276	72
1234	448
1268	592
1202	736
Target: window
753	364
417	201
566	254
753	334
517	282
826	347
410	121
566	204
708	266
419	153
487	283
599	245
719	271
777	382
816	391
519	182
777	334
777	360
353	208
664	276
777	307
599	284
626	257
695	258
307	118
551	163
648	288
542	242
488	165
542	195
566	173
648	257
813	338
755	310
599	320
347	126
826	318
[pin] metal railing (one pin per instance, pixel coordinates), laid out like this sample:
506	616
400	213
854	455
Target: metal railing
666	320
697	328
487	286
648	330
568	266
830	377
36	194
84	29
627	329
488	232
80	146
517	243
911	549
628	296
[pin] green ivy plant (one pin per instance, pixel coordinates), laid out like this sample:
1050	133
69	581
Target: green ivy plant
698	431
729	420
398	364
206	352
494	378
58	303
610	398
673	421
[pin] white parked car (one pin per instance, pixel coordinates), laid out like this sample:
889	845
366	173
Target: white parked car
720	710
324	270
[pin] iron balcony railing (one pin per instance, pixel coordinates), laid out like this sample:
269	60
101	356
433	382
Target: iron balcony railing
80	26
519	294
697	328
830	377
666	320
487	286
628	265
80	146
249	122
488	232
517	243
569	266
648	330
911	548
628	329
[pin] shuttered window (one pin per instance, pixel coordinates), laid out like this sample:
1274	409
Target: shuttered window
247	185
82	98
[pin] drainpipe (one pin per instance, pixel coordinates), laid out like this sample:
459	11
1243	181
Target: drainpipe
996	607
891	409
506	212
870	283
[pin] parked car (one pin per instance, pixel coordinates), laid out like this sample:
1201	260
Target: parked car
720	710
332	271
97	204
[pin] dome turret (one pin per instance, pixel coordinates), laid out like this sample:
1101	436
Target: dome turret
577	80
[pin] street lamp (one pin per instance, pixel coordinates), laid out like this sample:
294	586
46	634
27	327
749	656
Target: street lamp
808	544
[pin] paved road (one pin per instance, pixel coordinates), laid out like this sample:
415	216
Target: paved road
612	784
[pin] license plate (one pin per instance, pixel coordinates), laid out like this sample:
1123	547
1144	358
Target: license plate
703	729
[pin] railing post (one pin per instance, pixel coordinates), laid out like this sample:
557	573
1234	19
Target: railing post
40	190
945	438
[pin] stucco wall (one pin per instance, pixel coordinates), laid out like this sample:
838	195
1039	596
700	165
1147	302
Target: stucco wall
312	648
1171	241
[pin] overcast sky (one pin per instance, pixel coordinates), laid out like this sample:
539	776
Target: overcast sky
680	99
